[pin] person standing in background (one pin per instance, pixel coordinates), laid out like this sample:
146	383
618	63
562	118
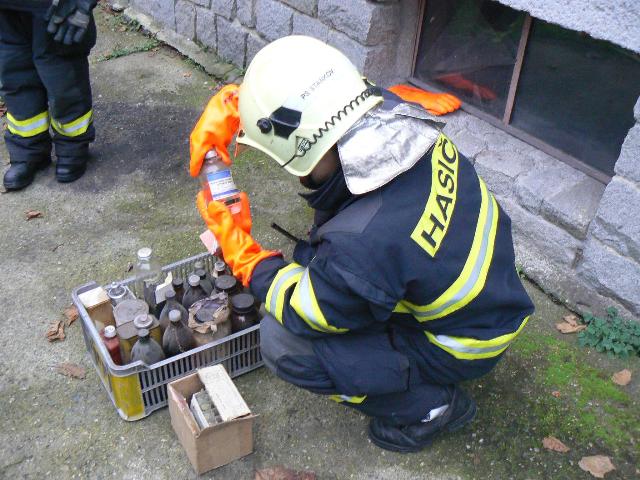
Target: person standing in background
44	80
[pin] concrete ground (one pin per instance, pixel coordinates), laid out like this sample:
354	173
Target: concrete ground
137	192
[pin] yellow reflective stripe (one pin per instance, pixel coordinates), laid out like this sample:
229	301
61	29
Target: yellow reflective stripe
74	128
304	302
345	398
285	277
29	127
473	277
472	348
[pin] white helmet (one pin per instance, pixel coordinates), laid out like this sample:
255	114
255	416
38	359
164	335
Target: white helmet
298	97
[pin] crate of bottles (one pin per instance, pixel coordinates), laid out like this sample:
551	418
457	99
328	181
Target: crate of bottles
137	389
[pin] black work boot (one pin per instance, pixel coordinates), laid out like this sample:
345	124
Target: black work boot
69	169
21	174
412	438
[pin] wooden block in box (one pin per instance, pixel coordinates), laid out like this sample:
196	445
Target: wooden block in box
98	306
219	444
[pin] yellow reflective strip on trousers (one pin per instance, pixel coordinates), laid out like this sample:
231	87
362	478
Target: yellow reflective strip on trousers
29	127
283	280
472	279
345	398
74	128
304	302
473	349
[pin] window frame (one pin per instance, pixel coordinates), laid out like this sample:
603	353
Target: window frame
503	123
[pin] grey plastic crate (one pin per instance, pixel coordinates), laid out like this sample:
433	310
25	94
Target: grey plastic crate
137	389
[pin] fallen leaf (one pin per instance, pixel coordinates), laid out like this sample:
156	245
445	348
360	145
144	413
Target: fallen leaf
71	314
556	393
281	473
31	214
186	74
552	443
55	331
72	370
571	319
622	378
565	327
596	465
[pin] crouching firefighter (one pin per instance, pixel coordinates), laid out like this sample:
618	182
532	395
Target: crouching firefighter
44	80
407	284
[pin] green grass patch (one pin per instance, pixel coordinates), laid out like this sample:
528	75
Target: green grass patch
118	52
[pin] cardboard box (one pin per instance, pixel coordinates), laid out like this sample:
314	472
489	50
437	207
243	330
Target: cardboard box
98	306
219	444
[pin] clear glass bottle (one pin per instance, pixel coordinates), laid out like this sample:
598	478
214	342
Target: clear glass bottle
243	313
146	349
148	276
217	182
193	293
177	337
172	304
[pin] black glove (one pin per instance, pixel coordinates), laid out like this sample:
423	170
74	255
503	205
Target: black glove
69	19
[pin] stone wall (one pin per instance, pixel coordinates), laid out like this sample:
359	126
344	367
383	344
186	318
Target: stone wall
577	238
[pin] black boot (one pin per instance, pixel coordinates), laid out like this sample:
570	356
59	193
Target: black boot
21	174
69	169
412	438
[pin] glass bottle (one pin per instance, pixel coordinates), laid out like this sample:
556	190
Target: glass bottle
217	182
146	349
205	283
227	284
150	323
118	293
148	276
193	293
219	269
111	341
243	313
172	304
177	337
178	286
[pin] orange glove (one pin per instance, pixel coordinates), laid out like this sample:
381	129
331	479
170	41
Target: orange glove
434	103
243	217
216	127
241	252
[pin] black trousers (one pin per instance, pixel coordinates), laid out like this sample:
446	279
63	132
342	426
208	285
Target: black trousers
44	84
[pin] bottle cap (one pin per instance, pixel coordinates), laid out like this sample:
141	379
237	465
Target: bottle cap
170	294
243	302
177	282
225	283
194	280
175	316
144	253
220	266
143	321
201	273
143	333
211	154
109	331
198	264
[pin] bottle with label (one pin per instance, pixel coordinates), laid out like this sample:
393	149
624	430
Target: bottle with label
178	287
148	276
146	349
110	340
172	304
177	337
193	293
227	284
243	313
217	182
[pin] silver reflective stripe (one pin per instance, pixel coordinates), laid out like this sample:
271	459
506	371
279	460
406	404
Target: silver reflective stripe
458	347
69	130
477	267
304	290
32	126
276	290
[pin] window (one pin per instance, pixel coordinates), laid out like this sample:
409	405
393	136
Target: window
560	90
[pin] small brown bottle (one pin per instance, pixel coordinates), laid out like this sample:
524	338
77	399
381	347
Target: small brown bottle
146	349
193	293
227	284
243	313
178	287
177	337
219	269
172	304
205	283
